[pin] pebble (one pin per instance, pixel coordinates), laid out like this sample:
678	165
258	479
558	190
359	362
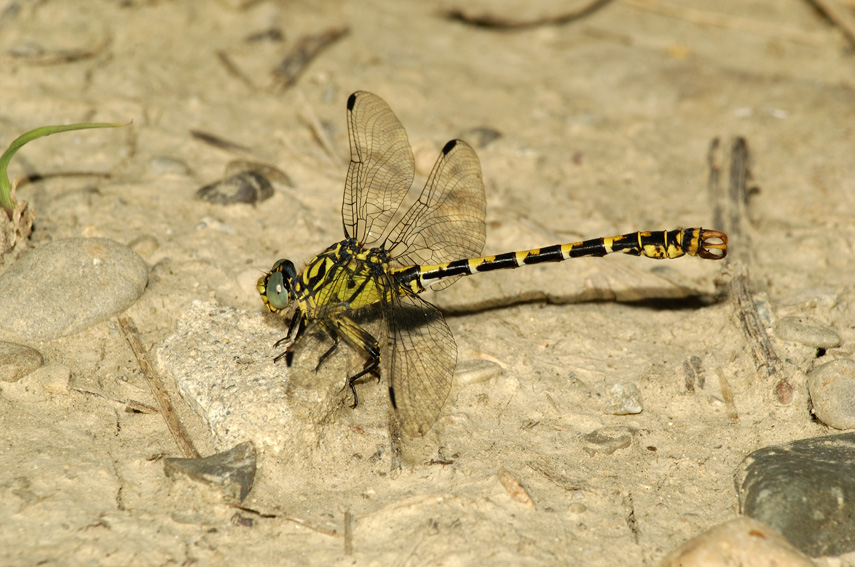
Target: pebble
54	378
16	361
475	371
272	173
232	471
69	285
832	393
741	542
145	245
807	332
805	490
39	386
624	399
244	187
607	440
480	137
168	165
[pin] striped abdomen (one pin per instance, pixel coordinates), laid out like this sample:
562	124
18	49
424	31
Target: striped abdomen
663	244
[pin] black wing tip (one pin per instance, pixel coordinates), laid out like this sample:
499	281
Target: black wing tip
449	146
351	100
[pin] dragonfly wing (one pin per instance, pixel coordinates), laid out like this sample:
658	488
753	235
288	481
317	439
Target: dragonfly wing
447	221
419	361
381	167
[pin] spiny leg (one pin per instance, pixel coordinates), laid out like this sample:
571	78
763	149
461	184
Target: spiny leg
372	366
295	331
359	339
336	340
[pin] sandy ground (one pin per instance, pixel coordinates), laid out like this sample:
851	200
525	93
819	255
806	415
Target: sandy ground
605	126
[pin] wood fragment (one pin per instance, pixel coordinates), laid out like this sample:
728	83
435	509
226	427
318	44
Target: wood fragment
515	489
61	56
293	519
130	405
556	477
234	70
348	532
302	54
766	359
706	18
631	520
731	211
503	23
727	395
217	142
319	131
152	378
839	16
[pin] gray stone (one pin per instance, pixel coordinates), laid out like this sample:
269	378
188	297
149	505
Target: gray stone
807	332
244	187
69	285
232	471
607	440
832	393
624	399
805	490
16	361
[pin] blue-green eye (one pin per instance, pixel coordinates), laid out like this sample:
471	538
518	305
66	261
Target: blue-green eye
277	293
276	286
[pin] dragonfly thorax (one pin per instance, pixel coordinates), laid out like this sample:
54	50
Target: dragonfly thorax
345	275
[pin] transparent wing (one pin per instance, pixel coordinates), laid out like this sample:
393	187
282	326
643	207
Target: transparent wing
419	361
447	221
381	167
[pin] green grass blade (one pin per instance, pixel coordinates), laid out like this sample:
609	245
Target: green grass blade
6	201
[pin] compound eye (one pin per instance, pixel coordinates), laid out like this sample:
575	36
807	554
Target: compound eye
277	285
277	292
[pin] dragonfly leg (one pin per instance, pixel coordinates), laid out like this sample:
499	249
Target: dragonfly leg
361	340
295	330
329	351
372	366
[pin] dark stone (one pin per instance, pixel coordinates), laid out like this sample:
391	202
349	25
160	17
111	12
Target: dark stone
607	440
805	490
244	187
233	471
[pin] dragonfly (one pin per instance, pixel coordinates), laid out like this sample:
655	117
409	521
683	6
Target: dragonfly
433	242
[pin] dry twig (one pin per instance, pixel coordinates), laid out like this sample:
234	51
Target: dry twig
129	329
706	18
731	212
308	47
500	22
839	16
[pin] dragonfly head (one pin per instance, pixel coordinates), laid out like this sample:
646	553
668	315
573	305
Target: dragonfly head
277	286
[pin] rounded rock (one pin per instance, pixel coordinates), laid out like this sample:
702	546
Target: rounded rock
69	285
807	332
832	392
740	542
17	361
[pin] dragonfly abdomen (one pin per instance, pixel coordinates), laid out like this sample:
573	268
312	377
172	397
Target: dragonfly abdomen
662	244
